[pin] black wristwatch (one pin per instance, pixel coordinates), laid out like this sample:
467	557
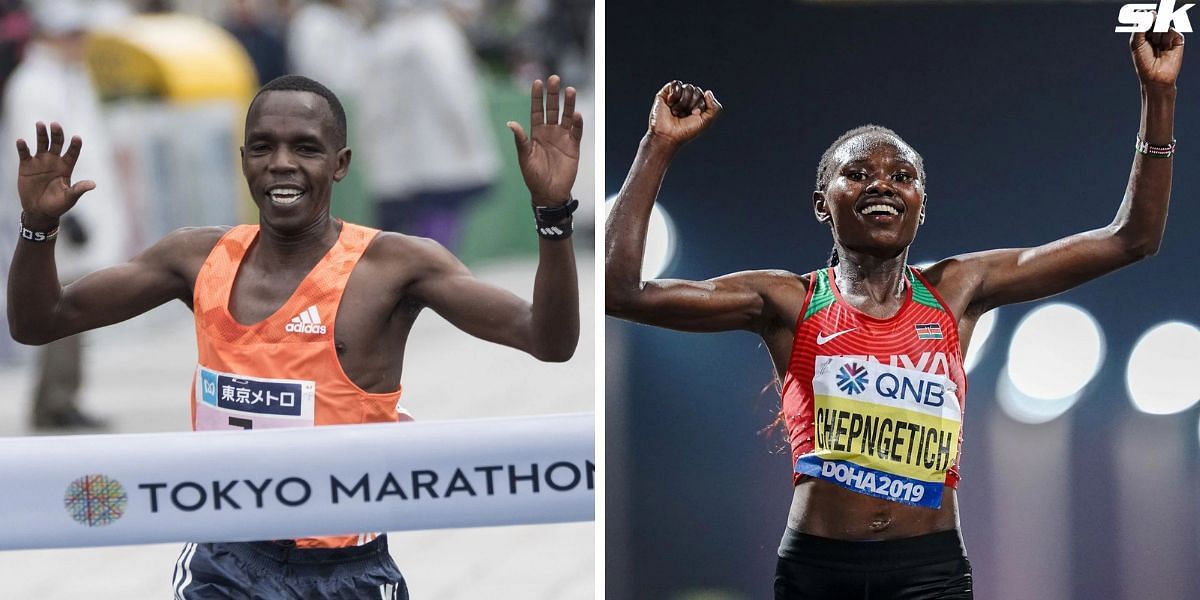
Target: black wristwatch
555	222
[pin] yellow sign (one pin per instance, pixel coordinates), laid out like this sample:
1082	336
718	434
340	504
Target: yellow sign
177	58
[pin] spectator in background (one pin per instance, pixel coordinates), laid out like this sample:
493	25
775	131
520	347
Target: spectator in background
325	42
15	30
155	6
423	128
526	37
52	84
567	31
259	29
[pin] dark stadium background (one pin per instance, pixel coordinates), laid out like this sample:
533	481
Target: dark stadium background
1026	116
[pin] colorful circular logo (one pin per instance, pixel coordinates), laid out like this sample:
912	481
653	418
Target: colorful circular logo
852	378
95	500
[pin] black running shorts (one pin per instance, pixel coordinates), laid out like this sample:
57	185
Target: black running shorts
925	567
280	570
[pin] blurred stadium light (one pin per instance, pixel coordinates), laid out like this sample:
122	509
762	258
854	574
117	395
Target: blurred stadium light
1160	374
1027	409
1056	350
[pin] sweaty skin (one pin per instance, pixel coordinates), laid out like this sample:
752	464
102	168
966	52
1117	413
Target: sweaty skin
873	250
291	142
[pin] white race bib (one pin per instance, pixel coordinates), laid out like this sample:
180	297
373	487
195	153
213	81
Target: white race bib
884	431
232	401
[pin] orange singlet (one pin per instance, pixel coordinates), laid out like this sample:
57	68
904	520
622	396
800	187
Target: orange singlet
284	370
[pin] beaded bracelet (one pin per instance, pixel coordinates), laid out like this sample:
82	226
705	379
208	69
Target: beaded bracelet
1150	150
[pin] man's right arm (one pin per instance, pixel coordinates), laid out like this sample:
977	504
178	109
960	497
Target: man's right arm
41	311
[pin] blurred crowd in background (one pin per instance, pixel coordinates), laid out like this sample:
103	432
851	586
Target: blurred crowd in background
158	89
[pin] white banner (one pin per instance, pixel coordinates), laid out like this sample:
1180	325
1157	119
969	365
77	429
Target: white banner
100	490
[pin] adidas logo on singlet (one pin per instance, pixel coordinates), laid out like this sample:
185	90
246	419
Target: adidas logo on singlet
306	322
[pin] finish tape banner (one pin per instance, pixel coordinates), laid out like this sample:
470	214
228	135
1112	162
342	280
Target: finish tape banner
101	490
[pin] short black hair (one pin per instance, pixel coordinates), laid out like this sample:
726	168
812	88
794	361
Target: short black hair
825	167
300	83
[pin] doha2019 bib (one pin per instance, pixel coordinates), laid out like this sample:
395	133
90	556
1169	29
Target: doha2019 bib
884	431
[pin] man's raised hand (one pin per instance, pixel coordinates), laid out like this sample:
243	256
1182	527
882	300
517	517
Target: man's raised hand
1157	57
549	155
681	111
44	178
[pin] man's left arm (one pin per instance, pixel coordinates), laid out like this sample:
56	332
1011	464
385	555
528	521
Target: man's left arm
547	328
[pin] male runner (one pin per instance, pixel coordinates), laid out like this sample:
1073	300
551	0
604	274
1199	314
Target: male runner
301	304
875	429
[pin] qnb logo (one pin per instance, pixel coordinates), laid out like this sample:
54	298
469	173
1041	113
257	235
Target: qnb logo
1137	17
852	378
95	500
308	321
